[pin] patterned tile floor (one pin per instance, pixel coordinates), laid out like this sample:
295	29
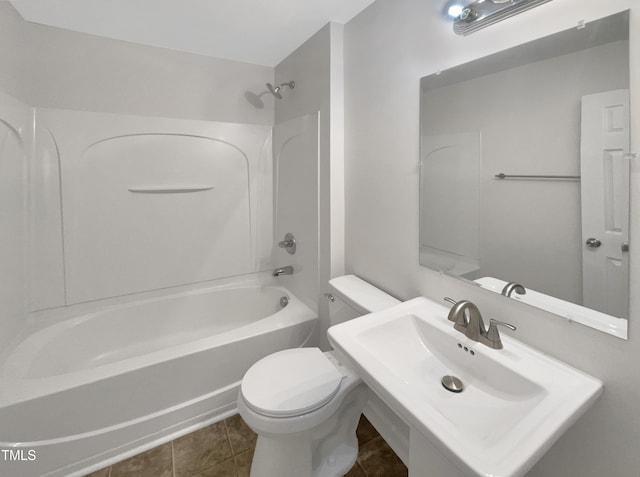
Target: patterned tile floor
225	449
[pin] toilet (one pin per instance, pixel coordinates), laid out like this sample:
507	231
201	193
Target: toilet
304	404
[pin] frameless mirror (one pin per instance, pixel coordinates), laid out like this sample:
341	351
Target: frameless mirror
524	175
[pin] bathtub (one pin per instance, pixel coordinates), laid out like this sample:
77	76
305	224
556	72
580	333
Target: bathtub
90	390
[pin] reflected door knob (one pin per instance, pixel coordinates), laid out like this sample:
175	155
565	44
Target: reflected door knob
593	242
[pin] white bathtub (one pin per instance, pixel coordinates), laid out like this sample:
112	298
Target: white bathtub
96	388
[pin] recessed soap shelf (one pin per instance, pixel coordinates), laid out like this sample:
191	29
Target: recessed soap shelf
169	189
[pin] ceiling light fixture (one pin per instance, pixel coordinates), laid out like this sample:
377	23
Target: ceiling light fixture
482	13
455	10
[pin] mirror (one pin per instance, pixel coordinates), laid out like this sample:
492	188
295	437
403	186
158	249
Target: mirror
524	173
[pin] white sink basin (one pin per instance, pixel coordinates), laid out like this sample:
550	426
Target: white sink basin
515	404
572	312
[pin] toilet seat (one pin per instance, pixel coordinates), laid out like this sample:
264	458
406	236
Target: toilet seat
290	383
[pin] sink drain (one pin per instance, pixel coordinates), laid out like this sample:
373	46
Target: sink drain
453	384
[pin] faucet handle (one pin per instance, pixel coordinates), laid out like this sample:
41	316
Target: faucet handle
289	243
492	336
450	300
501	323
452	316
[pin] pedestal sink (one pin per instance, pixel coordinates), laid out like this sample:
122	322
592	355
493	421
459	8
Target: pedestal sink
514	404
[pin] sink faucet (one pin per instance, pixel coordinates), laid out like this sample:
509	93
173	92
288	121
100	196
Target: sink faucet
288	270
511	287
468	320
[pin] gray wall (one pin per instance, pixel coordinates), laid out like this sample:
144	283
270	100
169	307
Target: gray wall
388	48
56	68
317	68
308	66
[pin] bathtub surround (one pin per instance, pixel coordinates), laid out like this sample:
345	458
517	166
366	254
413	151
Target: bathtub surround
388	48
56	69
52	69
295	185
15	136
108	185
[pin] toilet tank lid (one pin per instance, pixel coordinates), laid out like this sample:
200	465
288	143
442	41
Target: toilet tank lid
360	295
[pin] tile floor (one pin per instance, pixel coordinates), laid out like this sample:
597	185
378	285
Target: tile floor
225	449
375	457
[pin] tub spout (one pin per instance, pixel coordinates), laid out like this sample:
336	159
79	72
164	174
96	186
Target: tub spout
288	270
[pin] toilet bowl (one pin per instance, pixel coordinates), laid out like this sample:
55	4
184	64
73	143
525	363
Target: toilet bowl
304	404
305	428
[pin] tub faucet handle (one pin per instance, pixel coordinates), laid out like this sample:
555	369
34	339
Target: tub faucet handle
289	243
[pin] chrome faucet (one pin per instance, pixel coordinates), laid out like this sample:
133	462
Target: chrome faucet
468	320
288	270
511	287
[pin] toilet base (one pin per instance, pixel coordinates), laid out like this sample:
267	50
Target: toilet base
280	456
328	450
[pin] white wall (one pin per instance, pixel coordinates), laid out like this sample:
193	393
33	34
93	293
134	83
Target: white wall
317	68
56	68
388	48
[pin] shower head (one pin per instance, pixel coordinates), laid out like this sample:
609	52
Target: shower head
275	90
254	99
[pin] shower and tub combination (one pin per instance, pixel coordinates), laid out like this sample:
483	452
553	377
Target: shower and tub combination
98	387
151	287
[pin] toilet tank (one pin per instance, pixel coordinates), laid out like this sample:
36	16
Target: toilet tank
354	297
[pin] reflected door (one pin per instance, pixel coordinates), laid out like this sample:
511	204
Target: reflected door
605	205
